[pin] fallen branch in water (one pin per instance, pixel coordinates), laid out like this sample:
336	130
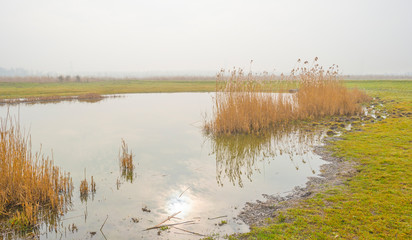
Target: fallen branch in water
169	225
195	233
217	217
104	223
167	219
184	191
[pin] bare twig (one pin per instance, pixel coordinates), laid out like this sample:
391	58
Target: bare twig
167	219
217	217
104	223
169	225
195	233
184	191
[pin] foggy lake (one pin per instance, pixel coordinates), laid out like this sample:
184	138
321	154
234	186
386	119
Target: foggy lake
177	167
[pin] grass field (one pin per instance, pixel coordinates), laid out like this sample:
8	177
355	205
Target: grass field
35	89
31	89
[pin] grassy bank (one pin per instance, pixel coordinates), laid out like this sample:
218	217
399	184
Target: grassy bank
31	89
10	90
375	203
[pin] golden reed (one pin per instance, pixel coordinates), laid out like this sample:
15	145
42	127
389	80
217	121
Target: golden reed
30	185
126	162
248	103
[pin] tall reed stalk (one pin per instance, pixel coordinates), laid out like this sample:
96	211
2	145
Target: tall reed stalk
126	162
30	185
250	103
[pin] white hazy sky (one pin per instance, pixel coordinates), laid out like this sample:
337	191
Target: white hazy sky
362	37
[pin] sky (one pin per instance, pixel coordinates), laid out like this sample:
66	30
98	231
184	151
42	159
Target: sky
193	36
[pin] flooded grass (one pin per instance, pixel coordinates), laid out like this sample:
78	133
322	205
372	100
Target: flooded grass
32	187
248	103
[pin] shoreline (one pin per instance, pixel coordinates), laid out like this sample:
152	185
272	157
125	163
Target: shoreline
333	173
90	97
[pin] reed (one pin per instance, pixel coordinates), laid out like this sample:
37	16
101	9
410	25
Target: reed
126	162
93	186
31	186
250	103
85	189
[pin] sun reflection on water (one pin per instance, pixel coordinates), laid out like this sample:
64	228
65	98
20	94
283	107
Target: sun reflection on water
181	204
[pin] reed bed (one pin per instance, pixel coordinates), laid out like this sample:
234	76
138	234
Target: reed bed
31	186
250	103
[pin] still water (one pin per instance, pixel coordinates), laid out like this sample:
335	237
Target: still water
177	167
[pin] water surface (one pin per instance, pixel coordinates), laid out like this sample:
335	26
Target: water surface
177	168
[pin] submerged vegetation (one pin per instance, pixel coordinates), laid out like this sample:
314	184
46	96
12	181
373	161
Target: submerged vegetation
31	187
254	103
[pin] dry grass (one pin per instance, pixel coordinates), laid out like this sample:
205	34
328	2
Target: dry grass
321	93
254	103
30	185
126	162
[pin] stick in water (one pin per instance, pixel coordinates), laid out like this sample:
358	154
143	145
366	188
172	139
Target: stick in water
195	233
184	191
217	217
104	223
167	219
169	225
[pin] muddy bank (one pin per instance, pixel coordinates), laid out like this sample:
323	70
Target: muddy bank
89	97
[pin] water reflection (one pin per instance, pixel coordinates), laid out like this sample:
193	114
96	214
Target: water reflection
179	204
237	156
174	168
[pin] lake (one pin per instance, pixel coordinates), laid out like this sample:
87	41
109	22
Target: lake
177	167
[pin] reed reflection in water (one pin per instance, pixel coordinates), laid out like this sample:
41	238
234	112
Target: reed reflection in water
237	156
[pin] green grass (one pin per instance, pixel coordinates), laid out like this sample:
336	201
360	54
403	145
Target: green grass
377	202
33	89
20	89
394	89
